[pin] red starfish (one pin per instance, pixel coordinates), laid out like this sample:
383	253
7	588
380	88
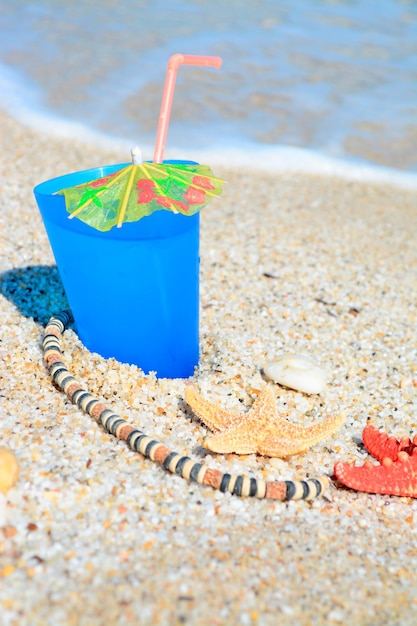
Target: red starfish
381	445
397	473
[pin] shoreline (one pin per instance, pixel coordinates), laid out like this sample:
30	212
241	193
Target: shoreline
96	534
250	156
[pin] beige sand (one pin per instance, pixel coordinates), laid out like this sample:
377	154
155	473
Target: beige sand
95	534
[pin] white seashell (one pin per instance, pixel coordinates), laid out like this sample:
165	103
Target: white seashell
298	372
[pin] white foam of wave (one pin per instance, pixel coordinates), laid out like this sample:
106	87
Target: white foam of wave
279	158
246	155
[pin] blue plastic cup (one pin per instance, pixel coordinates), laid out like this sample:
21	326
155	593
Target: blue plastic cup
134	290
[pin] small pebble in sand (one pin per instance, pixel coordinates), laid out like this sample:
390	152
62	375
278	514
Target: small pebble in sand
3	510
297	372
9	469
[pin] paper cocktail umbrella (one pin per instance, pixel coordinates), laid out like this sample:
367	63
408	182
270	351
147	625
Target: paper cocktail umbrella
141	188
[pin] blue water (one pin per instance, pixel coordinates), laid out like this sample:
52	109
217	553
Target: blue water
312	81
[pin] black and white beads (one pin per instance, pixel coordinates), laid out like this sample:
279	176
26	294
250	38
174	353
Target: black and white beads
153	449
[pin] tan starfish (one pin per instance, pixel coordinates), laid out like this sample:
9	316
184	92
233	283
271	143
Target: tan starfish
259	430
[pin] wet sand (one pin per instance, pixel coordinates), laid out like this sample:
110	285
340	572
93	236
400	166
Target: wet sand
96	534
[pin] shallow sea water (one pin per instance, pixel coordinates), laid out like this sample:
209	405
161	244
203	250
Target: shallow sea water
335	77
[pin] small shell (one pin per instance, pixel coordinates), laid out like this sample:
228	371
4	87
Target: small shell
298	372
9	469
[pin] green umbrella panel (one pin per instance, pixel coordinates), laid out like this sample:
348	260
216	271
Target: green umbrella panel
138	190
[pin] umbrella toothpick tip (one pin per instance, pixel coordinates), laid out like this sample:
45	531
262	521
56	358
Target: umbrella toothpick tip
136	155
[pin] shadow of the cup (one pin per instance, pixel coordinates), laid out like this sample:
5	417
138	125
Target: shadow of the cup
133	291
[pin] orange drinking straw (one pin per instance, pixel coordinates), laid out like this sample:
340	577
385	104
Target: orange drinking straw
168	95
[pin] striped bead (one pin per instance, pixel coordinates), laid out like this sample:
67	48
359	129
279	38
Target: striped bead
304	489
58	365
187	468
114	423
224	485
171	461
47	352
84	401
198	472
296	490
179	467
104	416
80	397
260	488
51	341
89	404
148	446
62	377
153	449
133	438
61	320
